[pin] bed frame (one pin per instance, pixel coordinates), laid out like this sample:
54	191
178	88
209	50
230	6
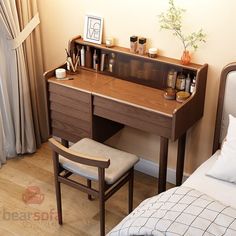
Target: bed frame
226	103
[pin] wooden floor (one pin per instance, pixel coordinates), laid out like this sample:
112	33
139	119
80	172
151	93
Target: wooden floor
39	218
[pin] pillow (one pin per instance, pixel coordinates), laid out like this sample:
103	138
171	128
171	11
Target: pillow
225	167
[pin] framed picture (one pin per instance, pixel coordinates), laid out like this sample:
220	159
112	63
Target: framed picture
93	26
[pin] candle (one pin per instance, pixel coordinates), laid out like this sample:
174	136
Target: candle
109	42
60	73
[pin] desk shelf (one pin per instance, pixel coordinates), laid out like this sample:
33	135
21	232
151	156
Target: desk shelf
141	69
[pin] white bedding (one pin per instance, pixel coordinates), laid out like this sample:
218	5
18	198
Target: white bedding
201	206
218	189
179	211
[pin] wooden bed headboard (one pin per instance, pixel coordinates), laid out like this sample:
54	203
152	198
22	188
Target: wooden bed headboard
226	103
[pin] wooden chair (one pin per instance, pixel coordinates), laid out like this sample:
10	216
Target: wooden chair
110	167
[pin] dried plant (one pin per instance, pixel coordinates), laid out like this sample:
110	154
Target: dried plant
172	20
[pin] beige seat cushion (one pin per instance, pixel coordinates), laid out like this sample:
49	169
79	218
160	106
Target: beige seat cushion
120	161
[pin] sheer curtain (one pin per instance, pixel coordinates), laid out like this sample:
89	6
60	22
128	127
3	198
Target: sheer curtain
23	119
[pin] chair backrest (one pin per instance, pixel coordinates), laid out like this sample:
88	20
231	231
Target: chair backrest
82	158
226	103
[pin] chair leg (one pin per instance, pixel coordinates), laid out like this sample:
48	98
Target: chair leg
102	200
89	185
56	167
58	197
131	190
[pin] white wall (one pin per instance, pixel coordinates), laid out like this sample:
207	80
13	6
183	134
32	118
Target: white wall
63	19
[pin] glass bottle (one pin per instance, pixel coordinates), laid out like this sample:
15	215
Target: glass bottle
82	54
180	82
142	46
112	62
193	85
187	84
133	44
95	60
171	79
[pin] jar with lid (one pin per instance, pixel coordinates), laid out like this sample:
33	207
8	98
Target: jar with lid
142	46
133	44
152	52
180	82
171	79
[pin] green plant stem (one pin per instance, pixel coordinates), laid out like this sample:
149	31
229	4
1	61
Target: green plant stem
172	20
182	38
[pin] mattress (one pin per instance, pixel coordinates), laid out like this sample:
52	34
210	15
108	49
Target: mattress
222	191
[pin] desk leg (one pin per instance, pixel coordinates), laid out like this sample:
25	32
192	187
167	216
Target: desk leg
163	164
180	159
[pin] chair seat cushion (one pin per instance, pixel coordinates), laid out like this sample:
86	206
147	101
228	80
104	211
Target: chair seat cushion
120	161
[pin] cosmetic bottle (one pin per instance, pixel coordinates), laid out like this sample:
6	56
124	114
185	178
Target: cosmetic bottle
133	44
103	58
82	54
95	60
142	46
193	85
88	58
187	84
112	63
180	82
171	79
152	52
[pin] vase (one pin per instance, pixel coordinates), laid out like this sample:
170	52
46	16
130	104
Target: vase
185	59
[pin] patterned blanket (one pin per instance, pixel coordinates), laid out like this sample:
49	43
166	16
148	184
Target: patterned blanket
179	211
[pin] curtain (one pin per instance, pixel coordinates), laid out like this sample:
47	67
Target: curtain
21	125
2	139
34	63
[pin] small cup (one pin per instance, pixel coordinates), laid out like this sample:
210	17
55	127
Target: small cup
60	73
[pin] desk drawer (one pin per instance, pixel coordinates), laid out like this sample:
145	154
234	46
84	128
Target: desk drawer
70	113
69	102
74	122
67	128
133	116
69	92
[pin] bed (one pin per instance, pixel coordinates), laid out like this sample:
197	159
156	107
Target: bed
205	204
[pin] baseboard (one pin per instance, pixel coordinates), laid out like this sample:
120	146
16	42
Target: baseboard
151	168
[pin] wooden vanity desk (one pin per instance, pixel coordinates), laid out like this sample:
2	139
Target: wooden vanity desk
98	104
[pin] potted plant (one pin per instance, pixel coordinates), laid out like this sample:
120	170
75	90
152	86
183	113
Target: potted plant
172	20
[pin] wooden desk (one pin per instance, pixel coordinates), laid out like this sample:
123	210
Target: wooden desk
97	106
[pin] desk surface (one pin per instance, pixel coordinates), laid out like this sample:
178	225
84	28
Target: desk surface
120	90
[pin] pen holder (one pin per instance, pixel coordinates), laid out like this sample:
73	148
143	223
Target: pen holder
72	65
